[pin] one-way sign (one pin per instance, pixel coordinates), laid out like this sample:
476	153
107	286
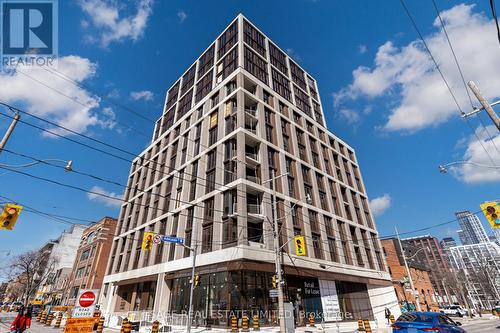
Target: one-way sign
171	239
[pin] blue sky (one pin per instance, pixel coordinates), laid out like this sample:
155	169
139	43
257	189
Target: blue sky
379	90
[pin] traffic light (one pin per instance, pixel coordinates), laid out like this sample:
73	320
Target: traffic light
300	246
196	280
147	241
275	281
492	212
9	216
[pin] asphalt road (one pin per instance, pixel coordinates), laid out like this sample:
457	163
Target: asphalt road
482	326
474	326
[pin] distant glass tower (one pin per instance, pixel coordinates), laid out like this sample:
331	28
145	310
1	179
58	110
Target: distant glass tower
472	229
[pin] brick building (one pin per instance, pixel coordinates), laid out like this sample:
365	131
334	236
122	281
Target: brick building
91	259
437	261
419	273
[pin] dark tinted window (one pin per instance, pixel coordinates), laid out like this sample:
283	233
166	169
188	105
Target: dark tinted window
411	317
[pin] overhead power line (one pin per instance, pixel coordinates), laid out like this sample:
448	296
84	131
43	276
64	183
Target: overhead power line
436	65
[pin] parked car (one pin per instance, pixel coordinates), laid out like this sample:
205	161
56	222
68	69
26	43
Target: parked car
453	310
419	322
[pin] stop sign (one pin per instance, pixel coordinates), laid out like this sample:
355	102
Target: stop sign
87	299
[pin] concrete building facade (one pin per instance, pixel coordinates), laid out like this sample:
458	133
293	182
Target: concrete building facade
243	112
91	258
419	273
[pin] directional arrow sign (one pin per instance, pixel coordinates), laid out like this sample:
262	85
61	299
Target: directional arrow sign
171	239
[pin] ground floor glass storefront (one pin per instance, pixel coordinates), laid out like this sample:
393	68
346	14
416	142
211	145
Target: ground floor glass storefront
223	294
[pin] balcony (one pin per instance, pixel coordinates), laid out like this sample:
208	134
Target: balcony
252	154
252	174
254	209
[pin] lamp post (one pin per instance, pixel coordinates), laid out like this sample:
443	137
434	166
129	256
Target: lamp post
68	164
443	168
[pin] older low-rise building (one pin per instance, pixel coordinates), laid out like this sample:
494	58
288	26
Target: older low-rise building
61	255
91	258
424	290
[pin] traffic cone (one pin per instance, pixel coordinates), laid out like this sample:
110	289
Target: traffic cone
234	324
245	327
100	325
311	320
156	327
124	323
49	319
361	328
39	316
366	323
256	323
58	320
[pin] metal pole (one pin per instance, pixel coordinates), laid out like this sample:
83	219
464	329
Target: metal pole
281	305
9	131
417	299
486	105
191	291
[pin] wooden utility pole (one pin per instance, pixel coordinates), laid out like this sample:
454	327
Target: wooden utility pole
486	105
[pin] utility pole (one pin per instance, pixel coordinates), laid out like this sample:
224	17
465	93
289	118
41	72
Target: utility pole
191	291
192	248
485	105
412	286
9	131
277	248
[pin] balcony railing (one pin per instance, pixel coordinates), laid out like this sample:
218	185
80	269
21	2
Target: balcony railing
252	155
251	112
253	209
253	179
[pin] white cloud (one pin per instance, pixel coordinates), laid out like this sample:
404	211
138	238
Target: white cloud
478	168
380	205
408	76
107	201
352	117
107	17
25	87
182	16
362	49
144	95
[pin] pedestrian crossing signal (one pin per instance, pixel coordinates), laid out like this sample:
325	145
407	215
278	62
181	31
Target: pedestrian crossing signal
492	212
9	216
196	280
300	245
147	241
274	281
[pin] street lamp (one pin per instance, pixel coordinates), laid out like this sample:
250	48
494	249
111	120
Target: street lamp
68	164
443	168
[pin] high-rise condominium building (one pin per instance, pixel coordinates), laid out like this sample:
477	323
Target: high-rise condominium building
472	229
243	112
